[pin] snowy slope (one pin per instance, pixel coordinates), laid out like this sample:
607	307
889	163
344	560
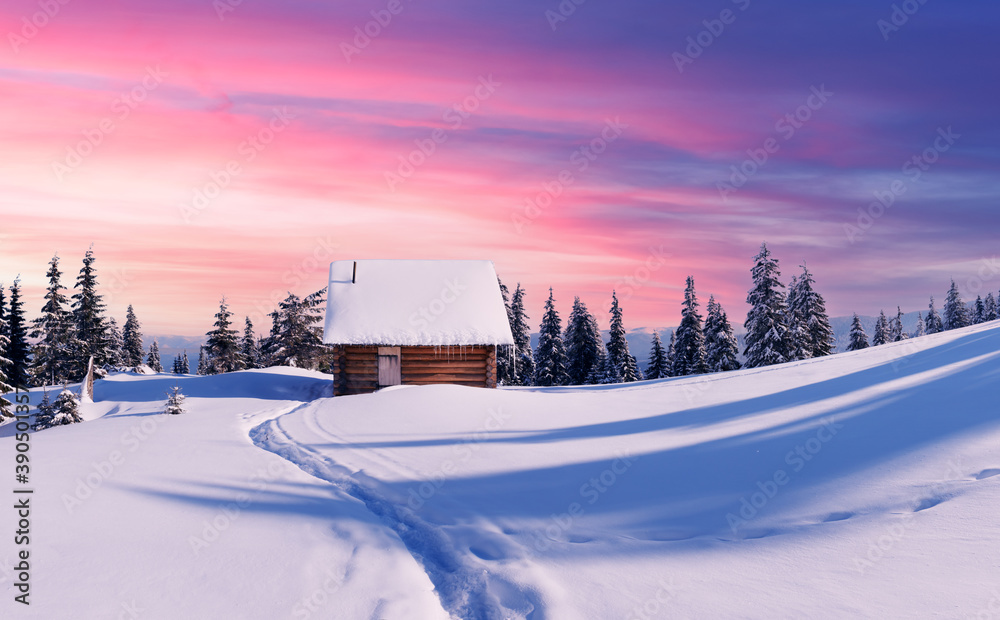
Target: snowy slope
866	484
869	480
142	515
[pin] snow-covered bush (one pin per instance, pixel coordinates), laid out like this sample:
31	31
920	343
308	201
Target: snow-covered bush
175	402
65	410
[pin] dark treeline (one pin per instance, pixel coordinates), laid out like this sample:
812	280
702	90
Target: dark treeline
782	325
73	326
956	314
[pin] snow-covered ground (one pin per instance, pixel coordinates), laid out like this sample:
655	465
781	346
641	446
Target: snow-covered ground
862	485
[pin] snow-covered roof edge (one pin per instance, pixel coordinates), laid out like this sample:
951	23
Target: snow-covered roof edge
415	303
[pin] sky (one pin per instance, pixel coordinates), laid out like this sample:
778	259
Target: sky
236	147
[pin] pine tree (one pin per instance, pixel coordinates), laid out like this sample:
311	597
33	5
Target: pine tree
933	322
132	340
767	331
505	353
605	372
671	352
250	348
52	332
296	334
583	342
881	330
175	402
88	317
689	356
65	410
45	412
551	363
153	359
896	332
809	309
176	366
956	314
979	315
6	410
859	339
618	353
18	350
524	361
921	329
797	345
721	347
222	349
115	350
657	368
202	362
185	364
990	308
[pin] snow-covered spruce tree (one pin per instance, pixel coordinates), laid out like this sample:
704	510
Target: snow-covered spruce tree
721	348
88	318
296	334
222	349
250	347
115	347
896	332
505	353
6	407
882	335
671	351
551	363
185	364
45	412
689	354
657	368
921	329
583	343
859	339
605	372
797	345
979	314
524	361
990	308
202	362
18	349
809	308
956	314
67	407
175	368
767	331
618	352
153	358
175	402
65	410
52	333
132	352
933	323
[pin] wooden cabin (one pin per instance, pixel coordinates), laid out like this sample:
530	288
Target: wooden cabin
414	322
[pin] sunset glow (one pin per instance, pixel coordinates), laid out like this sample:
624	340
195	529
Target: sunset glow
226	148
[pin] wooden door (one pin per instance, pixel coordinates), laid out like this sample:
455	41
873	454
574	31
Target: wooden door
389	367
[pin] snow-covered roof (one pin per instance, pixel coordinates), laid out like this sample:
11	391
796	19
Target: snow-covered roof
415	302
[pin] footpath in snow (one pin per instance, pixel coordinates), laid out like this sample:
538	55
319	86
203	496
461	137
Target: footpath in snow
137	514
865	484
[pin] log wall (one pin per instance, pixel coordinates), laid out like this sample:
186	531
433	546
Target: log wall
355	367
355	370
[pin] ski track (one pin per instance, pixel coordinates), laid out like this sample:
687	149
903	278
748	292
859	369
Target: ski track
466	591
